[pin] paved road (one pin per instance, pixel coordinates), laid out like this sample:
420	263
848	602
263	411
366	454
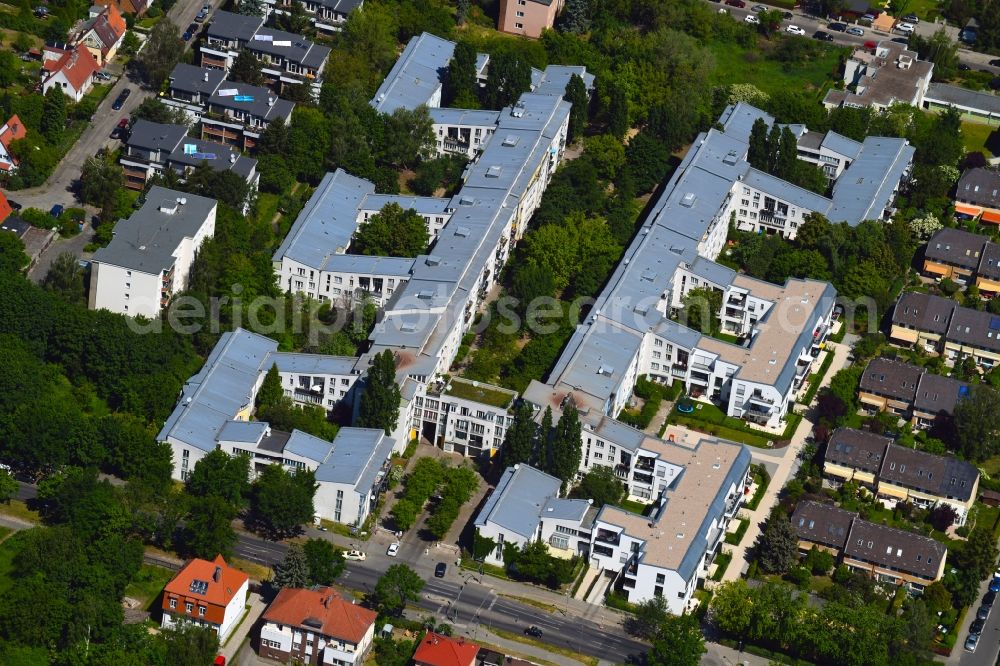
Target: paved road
987	651
811	23
58	188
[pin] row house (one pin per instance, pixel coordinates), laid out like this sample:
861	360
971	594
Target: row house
899	474
328	16
977	195
940	325
152	148
286	59
909	391
887	554
965	258
237	114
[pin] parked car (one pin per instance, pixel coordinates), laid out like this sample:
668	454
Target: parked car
787	16
186	36
856	31
911	18
103	75
823	36
977	626
995	585
393	549
983	613
736	3
962	67
868	17
201	16
752	19
56	211
995	62
120	100
440	570
837	27
354	556
533	631
795	30
758	9
193	28
989	598
14	205
120	130
971	642
901	40
905	28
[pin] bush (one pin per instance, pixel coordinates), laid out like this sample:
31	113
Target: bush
800	576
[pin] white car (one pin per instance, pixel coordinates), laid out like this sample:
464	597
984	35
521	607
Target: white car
393	549
905	28
354	555
752	19
795	30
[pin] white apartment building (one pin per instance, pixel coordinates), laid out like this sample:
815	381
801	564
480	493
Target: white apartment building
462	416
149	258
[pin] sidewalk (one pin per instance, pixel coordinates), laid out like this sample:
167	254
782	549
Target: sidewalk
479	634
240	634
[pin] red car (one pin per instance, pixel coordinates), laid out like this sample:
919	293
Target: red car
120	129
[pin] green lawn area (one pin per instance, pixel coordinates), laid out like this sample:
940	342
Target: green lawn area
634	507
709	418
734	64
488	395
148	583
977	137
927	10
267	206
8	549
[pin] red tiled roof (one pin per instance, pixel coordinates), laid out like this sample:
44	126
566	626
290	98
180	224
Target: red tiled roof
439	650
77	65
5	209
337	618
116	21
219	592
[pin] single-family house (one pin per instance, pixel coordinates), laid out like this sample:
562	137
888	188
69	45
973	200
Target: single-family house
11	131
207	594
72	71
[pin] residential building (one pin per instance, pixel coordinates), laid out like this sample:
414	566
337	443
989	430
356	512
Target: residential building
462	131
134	7
316	626
974	105
439	650
236	114
954	254
462	416
977	195
328	16
190	87
887	73
152	148
887	554
528	18
206	594
900	474
286	59
70	69
102	33
5	211
909	391
526	507
940	325
11	131
35	240
149	259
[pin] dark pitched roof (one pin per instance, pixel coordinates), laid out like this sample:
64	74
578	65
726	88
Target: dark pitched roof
956	247
822	523
979	186
155	136
989	264
888	547
943	476
893	379
857	449
923	312
974	327
936	394
191	79
233	27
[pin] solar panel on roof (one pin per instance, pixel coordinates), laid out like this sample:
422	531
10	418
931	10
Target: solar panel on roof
995	323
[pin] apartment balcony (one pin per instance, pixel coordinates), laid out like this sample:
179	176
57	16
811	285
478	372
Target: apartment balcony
758	398
736	300
643	478
645	464
771	218
605	536
603	550
621	471
452	145
760	418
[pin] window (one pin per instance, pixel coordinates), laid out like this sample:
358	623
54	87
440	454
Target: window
173	603
201	611
189	607
519	25
519	14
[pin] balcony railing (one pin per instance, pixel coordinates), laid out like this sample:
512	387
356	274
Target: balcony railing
604	536
760	399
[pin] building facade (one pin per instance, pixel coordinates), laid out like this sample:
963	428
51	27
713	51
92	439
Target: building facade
528	18
206	594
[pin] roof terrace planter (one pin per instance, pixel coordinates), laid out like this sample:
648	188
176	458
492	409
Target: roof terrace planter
479	392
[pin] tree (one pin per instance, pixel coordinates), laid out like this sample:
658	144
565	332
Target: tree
731	612
787	159
381	398
8	486
607	153
565	446
250	7
943	516
618	114
54	115
155	111
208	530
395	588
162	51
392	232
758	151
977	423
188	643
925	226
325	563
777	546
700	309
282	501
221	475
293	570
100	182
941	50
769	21
461	85
247	69
12	256
271	391
575	17
407	137
680	642
294	19
519	441
647	159
648	618
371	35
601	485
65	278
508	78
576	94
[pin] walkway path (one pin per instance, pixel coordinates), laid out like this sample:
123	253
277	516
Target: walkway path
240	634
782	465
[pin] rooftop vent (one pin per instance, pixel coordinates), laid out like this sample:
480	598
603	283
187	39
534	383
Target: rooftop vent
425	294
205	77
408	327
731	158
518	110
510	140
493	172
688	200
466	201
606	370
433	260
462	232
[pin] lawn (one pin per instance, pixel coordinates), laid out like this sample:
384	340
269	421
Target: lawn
734	64
554	649
8	549
19	509
488	395
980	138
709	418
634	507
148	583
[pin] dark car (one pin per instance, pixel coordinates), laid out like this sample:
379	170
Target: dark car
995	62
977	626
120	100
900	40
989	598
823	36
186	36
120	130
736	3
193	28
533	631
788	16
963	67
983	612
837	27
440	569
995	585
56	211
14	205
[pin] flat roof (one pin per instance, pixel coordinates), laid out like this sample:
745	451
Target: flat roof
519	500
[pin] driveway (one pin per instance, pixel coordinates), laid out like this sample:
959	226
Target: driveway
74	245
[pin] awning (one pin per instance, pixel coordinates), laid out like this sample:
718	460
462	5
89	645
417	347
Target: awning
906	334
965	209
990	216
931	267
